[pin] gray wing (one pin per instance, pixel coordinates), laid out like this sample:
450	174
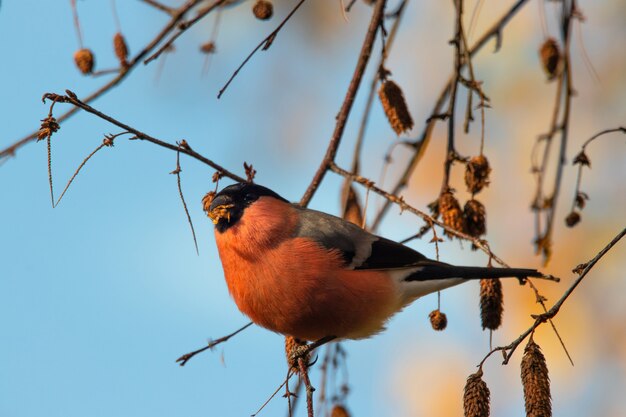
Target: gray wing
359	248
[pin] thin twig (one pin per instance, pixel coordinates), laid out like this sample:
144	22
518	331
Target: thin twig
185	358
107	141
423	140
372	88
177	171
304	374
451	154
123	73
543	239
289	374
265	44
160	6
73	99
399	200
344	112
79	33
583	270
581	164
182	28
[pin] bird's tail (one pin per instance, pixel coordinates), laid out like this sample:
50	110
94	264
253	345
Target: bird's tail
443	271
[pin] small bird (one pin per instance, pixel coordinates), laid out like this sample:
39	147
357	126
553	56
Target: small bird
314	276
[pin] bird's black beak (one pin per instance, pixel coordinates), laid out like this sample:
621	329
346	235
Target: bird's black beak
220	208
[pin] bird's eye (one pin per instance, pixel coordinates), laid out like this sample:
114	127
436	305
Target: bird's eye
249	198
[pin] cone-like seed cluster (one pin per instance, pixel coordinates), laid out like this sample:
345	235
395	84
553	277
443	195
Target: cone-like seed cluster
476	396
438	320
477	174
395	107
474	215
48	126
263	10
339	411
572	219
291	344
121	49
84	60
550	57
450	211
536	382
491	303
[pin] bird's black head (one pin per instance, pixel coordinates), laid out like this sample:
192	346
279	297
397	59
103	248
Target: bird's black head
229	204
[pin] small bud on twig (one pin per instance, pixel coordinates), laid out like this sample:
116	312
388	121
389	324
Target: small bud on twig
582	159
49	125
208	48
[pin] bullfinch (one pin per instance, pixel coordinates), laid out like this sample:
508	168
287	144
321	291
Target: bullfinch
313	276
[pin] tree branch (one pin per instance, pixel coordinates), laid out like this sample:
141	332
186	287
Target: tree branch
344	112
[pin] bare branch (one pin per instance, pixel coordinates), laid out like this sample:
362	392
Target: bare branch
182	28
583	270
185	358
420	144
123	73
344	112
265	44
73	99
160	6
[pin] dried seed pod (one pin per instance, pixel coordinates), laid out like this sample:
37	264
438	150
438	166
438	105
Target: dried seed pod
395	107
476	396
84	60
438	320
477	174
291	349
572	219
49	125
474	216
491	303
250	172
450	211
550	57
339	411
536	382
121	49
263	10
352	211
208	48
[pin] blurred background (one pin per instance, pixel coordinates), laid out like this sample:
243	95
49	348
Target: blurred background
100	295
